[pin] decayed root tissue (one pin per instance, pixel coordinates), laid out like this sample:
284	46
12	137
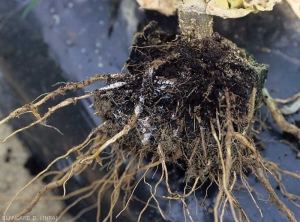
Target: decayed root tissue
185	102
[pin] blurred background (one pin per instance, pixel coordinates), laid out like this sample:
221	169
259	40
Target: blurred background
71	40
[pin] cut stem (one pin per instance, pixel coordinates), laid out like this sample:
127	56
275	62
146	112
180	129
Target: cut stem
194	23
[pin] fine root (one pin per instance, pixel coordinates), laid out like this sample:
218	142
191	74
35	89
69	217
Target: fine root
160	115
53	109
233	147
32	107
260	174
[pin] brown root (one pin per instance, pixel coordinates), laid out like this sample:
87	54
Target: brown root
233	148
32	107
176	108
278	117
288	100
260	174
53	109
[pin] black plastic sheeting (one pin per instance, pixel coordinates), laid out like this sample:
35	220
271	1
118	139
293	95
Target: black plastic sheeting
72	40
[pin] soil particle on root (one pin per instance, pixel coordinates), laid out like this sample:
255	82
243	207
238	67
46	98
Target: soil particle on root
194	103
185	102
179	87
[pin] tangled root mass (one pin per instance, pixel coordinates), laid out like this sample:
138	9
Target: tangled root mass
178	87
188	102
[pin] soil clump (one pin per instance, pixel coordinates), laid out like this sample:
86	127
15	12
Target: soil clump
179	87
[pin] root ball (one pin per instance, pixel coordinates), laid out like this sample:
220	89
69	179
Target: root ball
178	89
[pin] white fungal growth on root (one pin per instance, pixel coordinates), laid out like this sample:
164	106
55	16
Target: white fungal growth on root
146	129
113	86
142	99
175	132
165	82
145	124
163	85
146	138
150	72
138	109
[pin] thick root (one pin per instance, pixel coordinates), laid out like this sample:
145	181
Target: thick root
226	179
215	145
278	117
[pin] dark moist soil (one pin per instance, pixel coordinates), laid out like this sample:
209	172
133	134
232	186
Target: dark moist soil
180	87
